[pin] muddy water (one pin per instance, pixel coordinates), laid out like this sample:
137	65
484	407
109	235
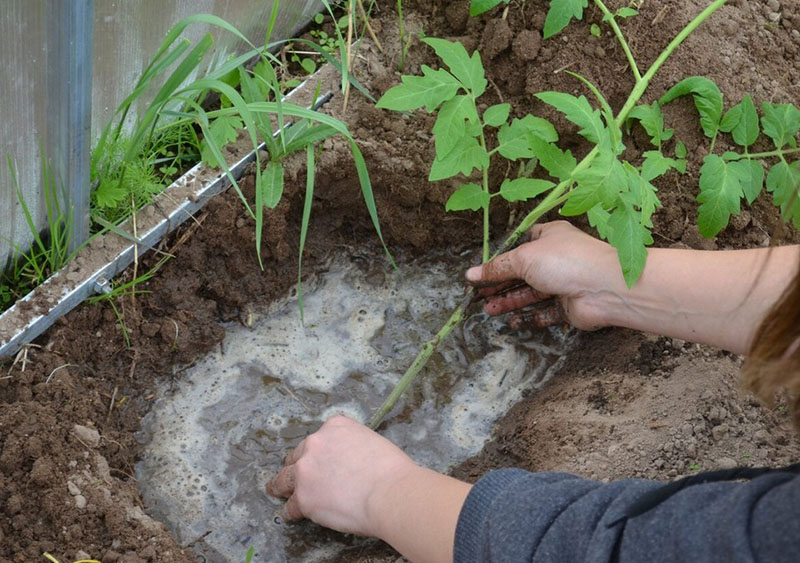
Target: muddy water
214	438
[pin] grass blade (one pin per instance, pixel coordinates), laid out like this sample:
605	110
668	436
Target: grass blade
310	171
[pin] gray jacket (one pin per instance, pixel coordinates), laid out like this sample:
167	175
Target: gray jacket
514	516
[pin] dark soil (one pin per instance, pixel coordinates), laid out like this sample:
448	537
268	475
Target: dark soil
653	407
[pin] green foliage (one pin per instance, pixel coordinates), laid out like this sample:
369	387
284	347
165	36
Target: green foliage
478	7
618	197
560	14
707	100
728	178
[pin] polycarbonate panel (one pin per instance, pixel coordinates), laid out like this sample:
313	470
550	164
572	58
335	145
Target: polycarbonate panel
126	34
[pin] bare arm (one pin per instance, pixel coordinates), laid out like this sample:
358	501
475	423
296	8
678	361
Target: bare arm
712	297
349	478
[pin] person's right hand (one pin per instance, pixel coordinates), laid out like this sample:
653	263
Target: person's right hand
561	263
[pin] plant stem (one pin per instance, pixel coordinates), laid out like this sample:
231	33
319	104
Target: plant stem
556	197
768	154
621	38
485	185
420	361
403	45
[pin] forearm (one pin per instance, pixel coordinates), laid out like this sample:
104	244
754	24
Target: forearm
711	297
417	514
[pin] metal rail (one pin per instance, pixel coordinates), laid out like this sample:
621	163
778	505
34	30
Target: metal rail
97	281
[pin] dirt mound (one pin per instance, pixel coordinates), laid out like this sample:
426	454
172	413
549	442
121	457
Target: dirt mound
653	408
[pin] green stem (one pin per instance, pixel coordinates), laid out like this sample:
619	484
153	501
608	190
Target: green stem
621	38
485	186
420	361
768	154
556	197
641	85
403	45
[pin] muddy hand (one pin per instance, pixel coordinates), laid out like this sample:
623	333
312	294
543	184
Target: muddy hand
332	476
561	272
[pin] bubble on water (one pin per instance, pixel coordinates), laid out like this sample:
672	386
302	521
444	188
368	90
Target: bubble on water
217	436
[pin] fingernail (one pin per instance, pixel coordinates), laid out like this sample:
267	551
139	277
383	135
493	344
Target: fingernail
474	274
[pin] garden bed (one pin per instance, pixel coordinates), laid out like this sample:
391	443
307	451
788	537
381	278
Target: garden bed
623	405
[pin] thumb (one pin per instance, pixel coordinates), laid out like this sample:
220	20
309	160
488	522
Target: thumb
507	266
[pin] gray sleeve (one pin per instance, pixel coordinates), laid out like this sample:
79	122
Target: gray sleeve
514	516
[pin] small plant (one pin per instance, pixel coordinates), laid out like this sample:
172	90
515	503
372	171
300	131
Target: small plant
694	467
617	196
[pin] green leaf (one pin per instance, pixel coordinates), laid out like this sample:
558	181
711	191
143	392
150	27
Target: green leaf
707	100
429	90
720	193
523	189
600	183
594	30
560	13
741	121
627	234
465	156
641	194
558	163
652	120
751	175
468	196
578	111
496	115
271	184
781	123
680	150
626	12
478	7
451	123
469	70
655	164
598	218
223	130
783	181
513	139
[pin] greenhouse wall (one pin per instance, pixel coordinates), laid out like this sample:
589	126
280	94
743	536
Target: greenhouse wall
67	66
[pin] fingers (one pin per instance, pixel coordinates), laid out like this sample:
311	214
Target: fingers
282	485
513	300
488	291
291	510
507	266
295	454
538	318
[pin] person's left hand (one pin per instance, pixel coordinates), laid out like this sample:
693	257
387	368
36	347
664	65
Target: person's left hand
336	477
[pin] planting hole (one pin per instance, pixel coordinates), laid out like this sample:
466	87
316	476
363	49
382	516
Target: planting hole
241	408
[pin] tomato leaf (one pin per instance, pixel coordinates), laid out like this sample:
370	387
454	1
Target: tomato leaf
652	120
560	14
783	181
781	123
513	139
468	196
522	189
741	121
451	123
707	100
558	163
496	115
465	156
578	111
627	234
429	90
720	195
751	175
478	7
223	130
468	70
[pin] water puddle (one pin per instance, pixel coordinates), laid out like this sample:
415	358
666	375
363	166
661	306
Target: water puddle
214	438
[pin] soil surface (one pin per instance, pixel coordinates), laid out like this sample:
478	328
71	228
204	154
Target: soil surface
624	405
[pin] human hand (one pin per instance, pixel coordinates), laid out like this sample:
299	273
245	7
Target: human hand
338	475
560	263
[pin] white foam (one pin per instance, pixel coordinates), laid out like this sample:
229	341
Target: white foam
214	440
